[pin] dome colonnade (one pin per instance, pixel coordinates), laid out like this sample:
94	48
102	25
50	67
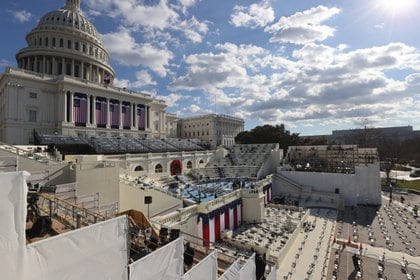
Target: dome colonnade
65	42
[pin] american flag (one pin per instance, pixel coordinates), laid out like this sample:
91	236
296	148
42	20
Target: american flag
80	109
101	116
114	110
126	114
140	116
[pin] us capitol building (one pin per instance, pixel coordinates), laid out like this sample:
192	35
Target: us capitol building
63	84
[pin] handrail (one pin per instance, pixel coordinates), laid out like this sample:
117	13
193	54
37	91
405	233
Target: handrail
21	152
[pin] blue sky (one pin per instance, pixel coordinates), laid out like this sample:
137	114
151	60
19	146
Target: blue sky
315	66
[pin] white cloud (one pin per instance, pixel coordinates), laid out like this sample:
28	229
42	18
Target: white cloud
379	25
125	50
256	15
21	16
413	79
144	78
303	27
4	62
317	84
193	29
194	108
151	18
172	99
187	4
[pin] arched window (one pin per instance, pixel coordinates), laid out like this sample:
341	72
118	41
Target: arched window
138	168
189	165
158	168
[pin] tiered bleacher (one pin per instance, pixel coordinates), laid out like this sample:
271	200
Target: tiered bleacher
117	145
242	161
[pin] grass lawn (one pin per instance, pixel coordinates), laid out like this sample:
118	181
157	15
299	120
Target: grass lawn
414	185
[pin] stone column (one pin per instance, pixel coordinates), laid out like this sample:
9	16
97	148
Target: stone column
82	70
146	117
120	116
134	116
35	64
65	105
89	75
44	65
54	66
71	107
108	114
63	66
94	110
88	109
72	68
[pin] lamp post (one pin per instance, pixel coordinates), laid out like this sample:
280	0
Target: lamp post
148	201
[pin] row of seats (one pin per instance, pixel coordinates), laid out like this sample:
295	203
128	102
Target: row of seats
123	144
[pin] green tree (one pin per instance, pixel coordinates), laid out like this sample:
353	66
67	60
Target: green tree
269	134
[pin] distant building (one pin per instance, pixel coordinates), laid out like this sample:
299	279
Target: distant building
215	129
396	134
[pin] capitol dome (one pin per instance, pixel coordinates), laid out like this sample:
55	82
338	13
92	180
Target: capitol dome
65	42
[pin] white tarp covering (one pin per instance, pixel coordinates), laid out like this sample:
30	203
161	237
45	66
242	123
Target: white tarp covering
8	164
204	270
248	270
95	252
13	193
166	263
273	274
232	273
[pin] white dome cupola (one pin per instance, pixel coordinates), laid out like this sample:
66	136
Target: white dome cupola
65	42
72	5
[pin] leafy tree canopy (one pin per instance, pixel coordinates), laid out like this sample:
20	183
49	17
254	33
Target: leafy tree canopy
269	134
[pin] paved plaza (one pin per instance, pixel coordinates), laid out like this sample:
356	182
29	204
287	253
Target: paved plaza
382	238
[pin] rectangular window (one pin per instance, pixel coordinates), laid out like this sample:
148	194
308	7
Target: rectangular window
33	95
32	115
69	44
61	43
53	42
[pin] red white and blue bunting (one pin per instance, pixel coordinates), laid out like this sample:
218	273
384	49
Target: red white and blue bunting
228	216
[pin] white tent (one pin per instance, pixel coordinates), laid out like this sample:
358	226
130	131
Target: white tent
98	251
166	263
232	273
206	269
248	270
273	274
